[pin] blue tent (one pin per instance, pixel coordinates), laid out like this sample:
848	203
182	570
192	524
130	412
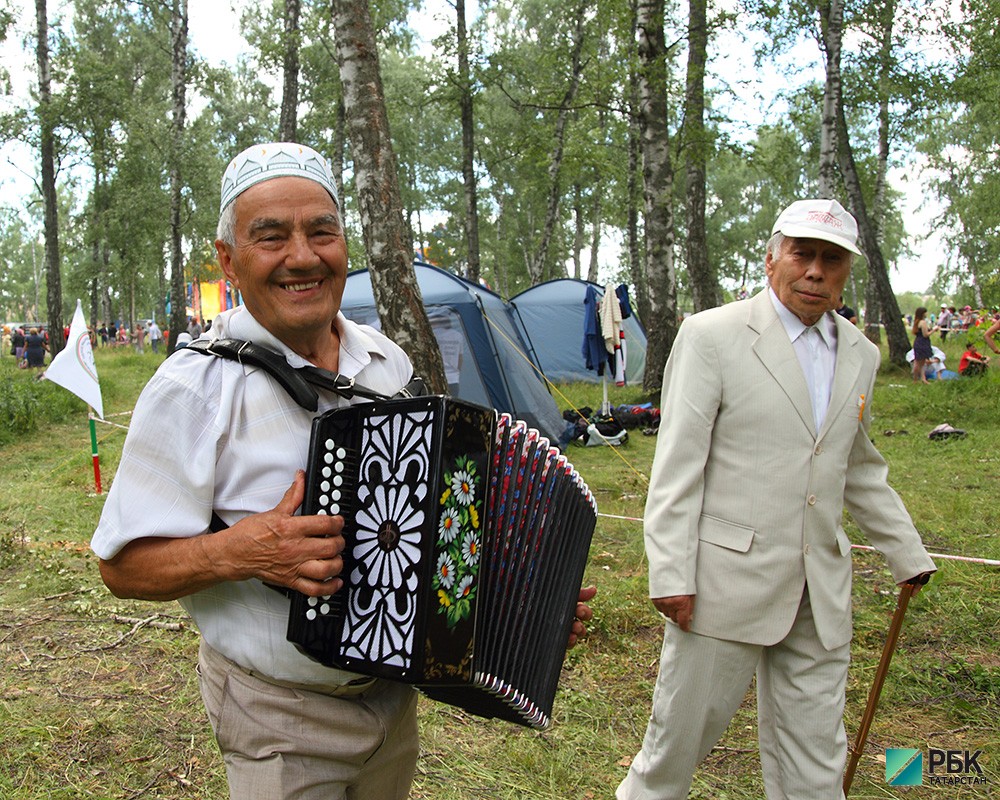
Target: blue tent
551	314
486	358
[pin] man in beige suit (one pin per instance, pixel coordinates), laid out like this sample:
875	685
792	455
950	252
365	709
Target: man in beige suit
763	442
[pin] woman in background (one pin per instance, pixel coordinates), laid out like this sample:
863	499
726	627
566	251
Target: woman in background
922	351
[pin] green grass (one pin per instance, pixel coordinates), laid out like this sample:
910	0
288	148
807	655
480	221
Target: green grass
94	704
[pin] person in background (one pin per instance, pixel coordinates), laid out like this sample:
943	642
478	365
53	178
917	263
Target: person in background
155	336
203	506
972	364
922	350
17	342
847	312
34	352
763	443
944	322
6	343
991	333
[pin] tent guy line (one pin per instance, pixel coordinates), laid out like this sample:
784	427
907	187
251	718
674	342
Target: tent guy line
568	402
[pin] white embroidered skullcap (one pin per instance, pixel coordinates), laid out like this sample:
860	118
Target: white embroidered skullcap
275	160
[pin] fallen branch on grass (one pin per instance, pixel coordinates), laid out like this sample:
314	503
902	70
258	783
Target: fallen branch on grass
137	624
167	626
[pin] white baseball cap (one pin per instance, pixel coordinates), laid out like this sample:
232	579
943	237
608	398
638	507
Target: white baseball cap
261	162
819	219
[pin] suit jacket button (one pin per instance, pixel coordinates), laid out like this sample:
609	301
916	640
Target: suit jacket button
819	449
805	550
811	500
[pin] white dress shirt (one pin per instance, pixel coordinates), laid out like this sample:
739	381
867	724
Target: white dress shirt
816	348
209	434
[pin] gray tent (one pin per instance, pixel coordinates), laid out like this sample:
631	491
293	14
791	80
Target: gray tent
551	313
486	359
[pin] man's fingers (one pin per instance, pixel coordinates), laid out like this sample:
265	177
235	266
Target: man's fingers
294	495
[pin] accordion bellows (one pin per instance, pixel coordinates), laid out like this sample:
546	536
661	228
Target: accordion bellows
467	538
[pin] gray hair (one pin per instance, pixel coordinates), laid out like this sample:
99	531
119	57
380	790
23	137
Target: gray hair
773	244
226	230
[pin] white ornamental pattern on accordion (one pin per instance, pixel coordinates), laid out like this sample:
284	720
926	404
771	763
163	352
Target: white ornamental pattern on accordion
393	478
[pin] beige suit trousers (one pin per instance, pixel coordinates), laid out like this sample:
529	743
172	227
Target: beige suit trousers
282	743
800	708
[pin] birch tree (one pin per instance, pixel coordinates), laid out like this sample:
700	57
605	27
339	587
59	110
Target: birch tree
386	235
47	155
178	86
288	125
705	291
658	181
464	80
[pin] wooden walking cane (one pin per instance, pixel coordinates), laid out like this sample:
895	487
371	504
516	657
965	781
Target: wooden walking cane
883	668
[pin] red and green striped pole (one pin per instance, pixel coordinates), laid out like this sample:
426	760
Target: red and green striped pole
93	450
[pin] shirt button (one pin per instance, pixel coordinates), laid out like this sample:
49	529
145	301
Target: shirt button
811	500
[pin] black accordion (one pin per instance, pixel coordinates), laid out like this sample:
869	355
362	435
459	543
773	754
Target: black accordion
467	538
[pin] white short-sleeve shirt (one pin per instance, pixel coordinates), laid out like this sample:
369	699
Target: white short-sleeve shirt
209	434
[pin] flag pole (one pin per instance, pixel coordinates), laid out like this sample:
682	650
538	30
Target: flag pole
93	450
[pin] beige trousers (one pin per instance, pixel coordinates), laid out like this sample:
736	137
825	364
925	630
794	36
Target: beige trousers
281	742
800	710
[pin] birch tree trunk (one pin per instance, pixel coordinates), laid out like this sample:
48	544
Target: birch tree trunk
873	311
895	330
831	17
637	270
290	71
47	152
394	283
539	259
468	147
658	180
178	80
704	287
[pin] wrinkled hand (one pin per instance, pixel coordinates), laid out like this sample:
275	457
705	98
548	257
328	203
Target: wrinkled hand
678	609
582	615
302	553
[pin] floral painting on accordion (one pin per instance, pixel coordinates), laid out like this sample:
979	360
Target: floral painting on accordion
459	539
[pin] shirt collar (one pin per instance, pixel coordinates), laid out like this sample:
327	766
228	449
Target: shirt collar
357	348
794	326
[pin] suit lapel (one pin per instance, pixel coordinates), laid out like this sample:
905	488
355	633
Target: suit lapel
845	375
777	355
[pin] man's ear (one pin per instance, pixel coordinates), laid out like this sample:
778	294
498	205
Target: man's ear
226	262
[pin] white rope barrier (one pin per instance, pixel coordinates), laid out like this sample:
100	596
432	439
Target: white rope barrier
989	562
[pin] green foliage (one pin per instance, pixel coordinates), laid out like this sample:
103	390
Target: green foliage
98	703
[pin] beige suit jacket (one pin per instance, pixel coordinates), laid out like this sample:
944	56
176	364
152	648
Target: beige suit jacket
746	499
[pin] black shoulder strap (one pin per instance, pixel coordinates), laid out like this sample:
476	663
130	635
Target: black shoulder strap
299	382
271	362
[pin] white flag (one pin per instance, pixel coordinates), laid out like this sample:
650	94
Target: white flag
73	367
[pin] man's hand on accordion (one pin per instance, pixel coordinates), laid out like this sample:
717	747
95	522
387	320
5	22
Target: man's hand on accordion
302	553
582	615
275	546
